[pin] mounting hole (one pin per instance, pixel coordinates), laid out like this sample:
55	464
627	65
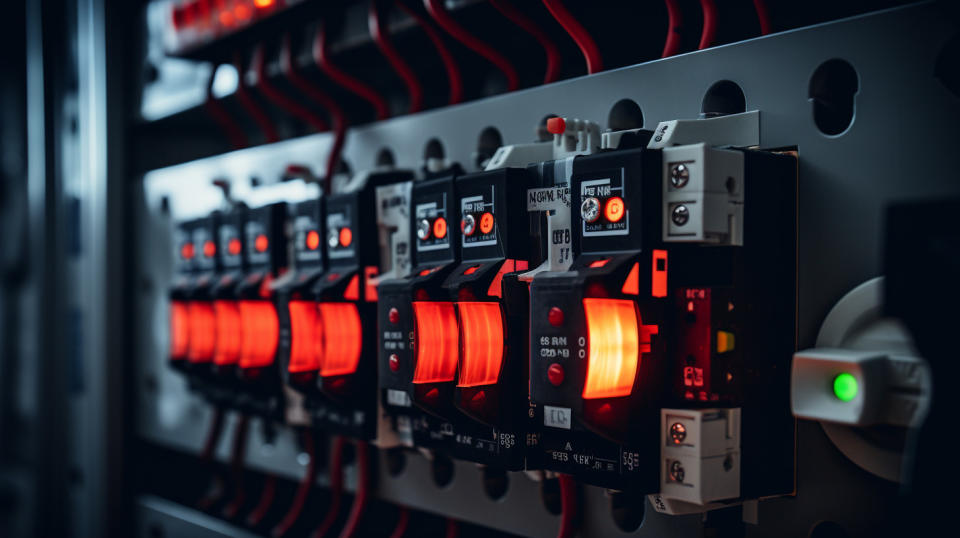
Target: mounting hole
441	469
434	150
543	135
396	461
945	69
833	89
550	495
827	529
625	114
385	158
495	483
724	97
628	510
488	144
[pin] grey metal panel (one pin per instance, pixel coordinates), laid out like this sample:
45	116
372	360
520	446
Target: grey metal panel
897	147
160	517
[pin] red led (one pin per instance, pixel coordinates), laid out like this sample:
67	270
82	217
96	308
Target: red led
261	243
555	374
346	237
209	248
234	246
440	228
614	209
486	223
394	362
264	4
313	240
555	316
556	125
394	315
187	251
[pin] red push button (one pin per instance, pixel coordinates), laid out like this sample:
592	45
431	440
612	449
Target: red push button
394	362
394	316
555	374
555	316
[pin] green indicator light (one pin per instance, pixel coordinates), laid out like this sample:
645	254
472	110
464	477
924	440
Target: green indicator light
845	387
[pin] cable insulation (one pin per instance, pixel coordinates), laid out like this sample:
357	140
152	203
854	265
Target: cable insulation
250	104
449	63
292	107
403	522
223	118
709	33
763	14
362	497
579	34
321	55
237	455
568	503
453	528
381	36
336	488
303	491
439	12
674	29
267	497
554	60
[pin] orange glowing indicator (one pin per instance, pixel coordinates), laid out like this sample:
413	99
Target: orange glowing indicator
264	4
242	12
305	334
259	332
614	209
202	331
481	328
313	240
187	251
234	246
486	223
436	341
179	330
614	347
209	249
227	348
440	228
346	237
261	243
342	339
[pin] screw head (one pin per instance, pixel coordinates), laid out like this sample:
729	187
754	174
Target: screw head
423	229
468	225
678	432
679	175
680	215
333	238
590	209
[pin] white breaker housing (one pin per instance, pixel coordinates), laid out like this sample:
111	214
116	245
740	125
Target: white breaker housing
702	195
700	454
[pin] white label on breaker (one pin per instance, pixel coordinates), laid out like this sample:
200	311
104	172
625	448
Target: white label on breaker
556	417
398	398
548	198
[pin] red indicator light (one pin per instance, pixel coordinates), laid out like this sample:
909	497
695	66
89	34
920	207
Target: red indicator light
631	286
471	270
481	327
234	246
304	337
313	240
555	316
209	249
264	4
659	284
187	251
227	348
599	263
202	331
259	331
394	362
614	209
436	340
242	12
614	347
555	374
261	243
346	237
179	330
226	18
486	223
440	228
393	315
342	339
556	125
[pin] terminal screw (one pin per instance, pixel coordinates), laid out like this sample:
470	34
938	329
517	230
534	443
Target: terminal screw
676	471
678	433
680	215
423	229
679	175
590	209
333	238
468	225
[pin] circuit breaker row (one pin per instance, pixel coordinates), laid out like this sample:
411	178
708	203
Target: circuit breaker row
619	307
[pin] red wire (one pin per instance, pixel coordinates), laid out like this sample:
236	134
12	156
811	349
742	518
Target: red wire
321	55
439	13
303	491
766	24
568	503
362	497
381	36
675	23
266	500
554	60
336	488
220	115
337	116
213	435
579	34
251	106
403	522
237	454
292	107
453	72
453	528
709	32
